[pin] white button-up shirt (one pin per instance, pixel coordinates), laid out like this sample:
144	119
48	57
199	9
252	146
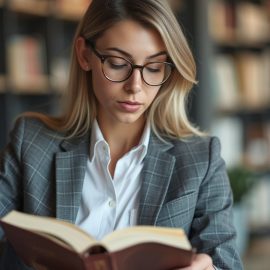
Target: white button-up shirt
108	204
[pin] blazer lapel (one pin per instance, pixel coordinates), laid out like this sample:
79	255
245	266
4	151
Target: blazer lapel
70	171
156	175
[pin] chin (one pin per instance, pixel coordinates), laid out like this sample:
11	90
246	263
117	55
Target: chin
130	119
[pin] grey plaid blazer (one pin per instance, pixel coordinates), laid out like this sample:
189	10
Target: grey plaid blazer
184	185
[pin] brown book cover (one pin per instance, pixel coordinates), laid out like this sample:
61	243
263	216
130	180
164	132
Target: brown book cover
141	247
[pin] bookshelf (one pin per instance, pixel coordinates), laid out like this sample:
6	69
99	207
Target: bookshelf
238	39
240	68
35	40
2	52
233	59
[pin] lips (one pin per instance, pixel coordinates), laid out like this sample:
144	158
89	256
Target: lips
131	102
130	106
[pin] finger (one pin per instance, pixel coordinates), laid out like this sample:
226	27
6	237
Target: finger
200	262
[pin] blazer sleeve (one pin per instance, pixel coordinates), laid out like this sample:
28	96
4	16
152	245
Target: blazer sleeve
212	229
10	171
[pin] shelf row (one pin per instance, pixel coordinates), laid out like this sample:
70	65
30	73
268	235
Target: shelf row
63	9
245	141
241	80
239	22
28	67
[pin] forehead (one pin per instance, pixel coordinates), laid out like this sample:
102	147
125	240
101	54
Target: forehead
133	37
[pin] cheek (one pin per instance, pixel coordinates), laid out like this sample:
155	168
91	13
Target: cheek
152	94
99	84
103	89
97	79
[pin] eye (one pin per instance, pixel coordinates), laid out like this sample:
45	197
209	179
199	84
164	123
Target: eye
154	67
153	70
116	63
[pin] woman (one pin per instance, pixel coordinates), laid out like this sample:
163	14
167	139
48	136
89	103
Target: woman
124	152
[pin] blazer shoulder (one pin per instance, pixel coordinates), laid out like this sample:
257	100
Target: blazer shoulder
198	157
196	151
197	144
30	131
31	127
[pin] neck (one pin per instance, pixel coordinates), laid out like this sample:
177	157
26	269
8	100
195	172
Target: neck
122	135
121	138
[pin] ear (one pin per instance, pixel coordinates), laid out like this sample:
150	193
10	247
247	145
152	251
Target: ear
83	54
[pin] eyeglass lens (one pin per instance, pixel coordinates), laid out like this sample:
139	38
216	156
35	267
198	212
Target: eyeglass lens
118	69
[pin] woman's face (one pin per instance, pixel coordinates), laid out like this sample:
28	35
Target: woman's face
126	102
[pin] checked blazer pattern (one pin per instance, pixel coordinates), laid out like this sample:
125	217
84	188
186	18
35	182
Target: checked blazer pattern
184	184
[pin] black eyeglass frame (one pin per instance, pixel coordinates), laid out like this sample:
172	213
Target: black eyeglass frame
103	57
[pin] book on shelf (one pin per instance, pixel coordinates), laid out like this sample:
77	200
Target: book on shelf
40	7
230	131
252	78
226	88
59	73
221	21
2	83
266	78
71	9
257	147
54	244
241	80
26	64
252	23
242	22
258	202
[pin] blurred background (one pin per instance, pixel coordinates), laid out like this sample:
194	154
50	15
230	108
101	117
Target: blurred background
231	43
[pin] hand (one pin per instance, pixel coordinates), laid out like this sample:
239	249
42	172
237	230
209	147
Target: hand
200	262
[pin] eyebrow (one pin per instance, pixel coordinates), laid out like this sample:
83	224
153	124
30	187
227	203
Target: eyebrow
130	56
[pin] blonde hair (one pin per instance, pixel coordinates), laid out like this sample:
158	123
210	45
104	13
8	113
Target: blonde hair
167	114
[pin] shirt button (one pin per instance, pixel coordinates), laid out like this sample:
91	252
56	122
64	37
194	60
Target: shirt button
112	204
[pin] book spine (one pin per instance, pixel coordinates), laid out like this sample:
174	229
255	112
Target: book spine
98	262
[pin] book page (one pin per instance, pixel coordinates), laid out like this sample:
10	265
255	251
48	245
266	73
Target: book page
123	238
69	234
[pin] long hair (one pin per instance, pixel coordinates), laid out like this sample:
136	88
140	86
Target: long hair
168	112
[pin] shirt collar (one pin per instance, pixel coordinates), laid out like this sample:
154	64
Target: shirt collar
97	137
144	141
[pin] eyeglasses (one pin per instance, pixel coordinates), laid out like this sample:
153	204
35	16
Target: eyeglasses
119	69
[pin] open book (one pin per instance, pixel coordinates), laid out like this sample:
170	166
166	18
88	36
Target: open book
47	243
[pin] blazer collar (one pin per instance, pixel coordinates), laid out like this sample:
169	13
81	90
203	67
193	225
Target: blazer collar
156	175
70	171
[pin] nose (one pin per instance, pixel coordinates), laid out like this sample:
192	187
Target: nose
134	82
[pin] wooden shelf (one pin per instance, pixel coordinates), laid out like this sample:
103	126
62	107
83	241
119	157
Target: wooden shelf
38	86
33	39
244	109
234	45
261	170
33	7
67	16
70	10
